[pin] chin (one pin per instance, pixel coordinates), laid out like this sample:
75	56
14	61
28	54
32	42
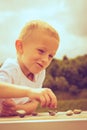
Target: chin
36	71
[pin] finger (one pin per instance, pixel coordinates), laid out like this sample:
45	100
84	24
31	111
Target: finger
47	100
53	103
42	100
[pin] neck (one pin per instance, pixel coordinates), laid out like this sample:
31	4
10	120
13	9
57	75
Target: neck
30	76
26	72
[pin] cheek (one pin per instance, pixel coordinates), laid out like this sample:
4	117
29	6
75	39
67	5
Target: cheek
31	58
36	57
49	62
25	58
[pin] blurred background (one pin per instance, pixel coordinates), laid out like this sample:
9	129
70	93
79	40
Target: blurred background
69	17
67	75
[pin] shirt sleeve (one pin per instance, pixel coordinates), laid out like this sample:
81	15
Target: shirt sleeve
8	72
5	77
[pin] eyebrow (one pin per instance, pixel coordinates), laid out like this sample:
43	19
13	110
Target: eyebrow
53	53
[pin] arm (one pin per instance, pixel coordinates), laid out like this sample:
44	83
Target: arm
10	108
44	95
8	90
28	107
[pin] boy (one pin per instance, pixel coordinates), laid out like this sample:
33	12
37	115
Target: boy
36	47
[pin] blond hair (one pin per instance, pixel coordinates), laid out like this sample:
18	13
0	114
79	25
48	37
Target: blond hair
37	24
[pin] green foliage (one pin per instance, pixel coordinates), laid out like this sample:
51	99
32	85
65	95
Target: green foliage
67	75
74	90
64	105
62	83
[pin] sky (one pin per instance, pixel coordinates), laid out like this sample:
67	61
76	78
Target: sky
68	17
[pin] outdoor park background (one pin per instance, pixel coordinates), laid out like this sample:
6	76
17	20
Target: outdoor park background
67	74
68	79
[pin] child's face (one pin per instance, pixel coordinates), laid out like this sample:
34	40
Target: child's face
38	52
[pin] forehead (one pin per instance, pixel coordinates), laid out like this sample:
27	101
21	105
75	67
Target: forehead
43	40
42	34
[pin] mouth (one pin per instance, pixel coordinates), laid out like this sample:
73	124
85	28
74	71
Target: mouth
40	65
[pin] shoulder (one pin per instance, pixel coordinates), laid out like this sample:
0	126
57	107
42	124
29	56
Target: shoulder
8	70
10	64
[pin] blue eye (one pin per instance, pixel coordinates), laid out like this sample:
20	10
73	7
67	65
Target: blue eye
41	51
51	56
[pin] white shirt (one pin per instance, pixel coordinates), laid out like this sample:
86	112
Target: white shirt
11	72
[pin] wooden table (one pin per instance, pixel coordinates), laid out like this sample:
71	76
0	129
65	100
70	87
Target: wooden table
44	121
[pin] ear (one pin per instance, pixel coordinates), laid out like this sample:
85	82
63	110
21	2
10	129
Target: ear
19	46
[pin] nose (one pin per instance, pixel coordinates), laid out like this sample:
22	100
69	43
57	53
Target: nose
45	59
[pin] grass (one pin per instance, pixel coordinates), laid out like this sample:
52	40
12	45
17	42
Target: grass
64	105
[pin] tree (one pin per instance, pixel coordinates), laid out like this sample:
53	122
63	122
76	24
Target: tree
49	82
74	90
61	83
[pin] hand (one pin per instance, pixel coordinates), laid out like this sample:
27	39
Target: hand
28	107
8	108
45	96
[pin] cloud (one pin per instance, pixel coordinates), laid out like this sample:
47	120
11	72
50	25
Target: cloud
72	16
17	5
69	17
77	17
69	14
